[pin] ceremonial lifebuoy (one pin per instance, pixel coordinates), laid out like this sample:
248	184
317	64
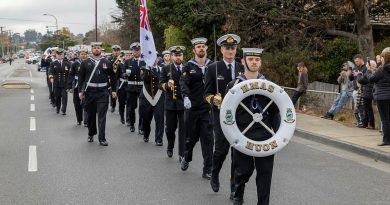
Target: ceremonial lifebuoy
233	134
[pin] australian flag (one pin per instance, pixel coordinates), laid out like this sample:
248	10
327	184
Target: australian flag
148	49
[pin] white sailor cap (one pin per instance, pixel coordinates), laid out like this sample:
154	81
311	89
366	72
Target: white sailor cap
126	51
197	41
116	47
82	50
177	49
135	46
252	52
166	52
229	40
96	44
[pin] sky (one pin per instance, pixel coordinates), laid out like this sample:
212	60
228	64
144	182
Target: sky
77	15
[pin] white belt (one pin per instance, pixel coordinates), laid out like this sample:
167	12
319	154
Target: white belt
121	79
76	77
135	82
98	85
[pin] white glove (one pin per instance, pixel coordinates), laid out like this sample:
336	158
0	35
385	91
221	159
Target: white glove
187	103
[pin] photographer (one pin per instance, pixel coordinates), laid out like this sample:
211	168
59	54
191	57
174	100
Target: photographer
346	88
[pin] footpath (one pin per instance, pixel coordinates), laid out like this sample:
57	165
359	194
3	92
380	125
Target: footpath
359	140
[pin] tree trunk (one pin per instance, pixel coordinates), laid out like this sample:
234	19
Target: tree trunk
364	28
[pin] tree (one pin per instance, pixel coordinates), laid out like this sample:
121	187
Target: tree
31	35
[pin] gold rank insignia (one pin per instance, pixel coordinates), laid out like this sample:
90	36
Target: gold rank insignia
230	39
178	49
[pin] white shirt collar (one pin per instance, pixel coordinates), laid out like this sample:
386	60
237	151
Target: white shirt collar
233	64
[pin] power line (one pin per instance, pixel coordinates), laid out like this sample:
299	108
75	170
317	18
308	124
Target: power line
41	21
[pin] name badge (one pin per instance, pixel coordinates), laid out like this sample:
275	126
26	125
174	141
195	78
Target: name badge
104	66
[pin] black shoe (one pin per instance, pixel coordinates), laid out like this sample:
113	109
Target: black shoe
159	144
328	116
78	123
63	113
112	109
140	132
231	196
146	139
184	165
128	124
90	138
238	201
58	112
85	125
170	153
103	143
214	182
132	129
206	176
122	121
384	144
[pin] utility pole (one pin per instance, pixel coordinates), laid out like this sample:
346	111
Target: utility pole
96	31
1	39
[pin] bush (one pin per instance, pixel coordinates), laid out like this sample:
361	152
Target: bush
382	45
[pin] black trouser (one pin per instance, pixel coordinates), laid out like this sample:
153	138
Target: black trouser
112	101
173	117
244	166
97	103
384	112
368	113
221	149
61	98
85	117
198	128
132	103
78	107
296	96
51	93
122	104
148	111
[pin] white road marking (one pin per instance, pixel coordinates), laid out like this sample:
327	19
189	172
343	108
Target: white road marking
33	126
30	76
32	98
32	159
32	107
32	91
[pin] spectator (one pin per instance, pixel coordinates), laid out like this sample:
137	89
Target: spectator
303	82
360	68
367	89
381	78
345	91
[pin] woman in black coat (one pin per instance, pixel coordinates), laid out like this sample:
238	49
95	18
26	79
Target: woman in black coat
367	89
381	78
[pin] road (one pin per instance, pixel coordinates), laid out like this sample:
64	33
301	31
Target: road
69	170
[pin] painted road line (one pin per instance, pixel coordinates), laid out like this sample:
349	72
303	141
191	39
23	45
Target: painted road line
32	98
32	159
32	91
30	76
32	107
33	126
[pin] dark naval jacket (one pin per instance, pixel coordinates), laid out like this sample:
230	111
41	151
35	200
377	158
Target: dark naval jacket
134	80
192	84
59	71
224	77
170	72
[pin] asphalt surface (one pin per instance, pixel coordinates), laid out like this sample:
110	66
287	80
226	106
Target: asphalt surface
129	171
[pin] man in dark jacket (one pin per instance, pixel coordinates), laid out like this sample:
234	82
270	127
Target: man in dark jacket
198	110
367	89
58	75
218	75
134	84
174	108
96	74
114	58
244	164
121	88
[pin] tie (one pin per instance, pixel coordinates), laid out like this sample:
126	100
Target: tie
178	70
230	71
154	69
